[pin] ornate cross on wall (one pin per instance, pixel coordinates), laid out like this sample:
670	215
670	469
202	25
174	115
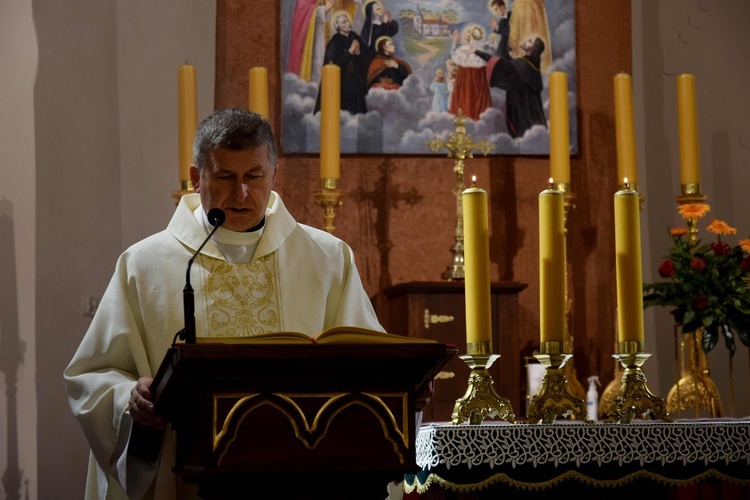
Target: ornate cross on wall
460	147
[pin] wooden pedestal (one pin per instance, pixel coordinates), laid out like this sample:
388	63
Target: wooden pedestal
437	310
306	420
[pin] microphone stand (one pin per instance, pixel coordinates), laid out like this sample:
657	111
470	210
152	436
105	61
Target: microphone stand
145	442
216	218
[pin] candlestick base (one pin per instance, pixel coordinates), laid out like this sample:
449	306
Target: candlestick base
554	399
455	271
635	397
481	401
329	199
185	188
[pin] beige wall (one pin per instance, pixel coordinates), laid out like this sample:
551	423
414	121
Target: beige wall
87	141
702	37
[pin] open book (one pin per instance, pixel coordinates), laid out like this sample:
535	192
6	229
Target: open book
335	335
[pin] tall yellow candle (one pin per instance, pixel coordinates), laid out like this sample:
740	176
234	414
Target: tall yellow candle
551	265
187	119
559	128
477	266
625	129
628	266
258	90
330	122
688	127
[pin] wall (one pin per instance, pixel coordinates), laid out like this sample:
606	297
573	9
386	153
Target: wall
89	152
699	37
88	148
398	239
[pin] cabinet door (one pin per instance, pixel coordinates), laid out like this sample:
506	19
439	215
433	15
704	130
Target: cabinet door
438	311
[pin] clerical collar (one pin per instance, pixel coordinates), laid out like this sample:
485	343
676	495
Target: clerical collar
229	237
258	226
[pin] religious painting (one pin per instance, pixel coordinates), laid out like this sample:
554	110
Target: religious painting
408	67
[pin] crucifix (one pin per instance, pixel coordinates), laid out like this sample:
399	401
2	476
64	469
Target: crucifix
460	147
386	196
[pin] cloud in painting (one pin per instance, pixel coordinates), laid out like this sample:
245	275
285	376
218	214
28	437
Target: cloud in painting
402	121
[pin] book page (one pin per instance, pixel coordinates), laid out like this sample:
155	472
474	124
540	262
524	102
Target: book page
335	335
357	335
261	338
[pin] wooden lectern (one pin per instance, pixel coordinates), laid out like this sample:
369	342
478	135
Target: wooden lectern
303	420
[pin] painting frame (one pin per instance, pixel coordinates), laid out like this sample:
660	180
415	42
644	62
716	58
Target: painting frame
400	120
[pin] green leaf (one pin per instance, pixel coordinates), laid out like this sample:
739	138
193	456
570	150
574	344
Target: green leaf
729	340
709	340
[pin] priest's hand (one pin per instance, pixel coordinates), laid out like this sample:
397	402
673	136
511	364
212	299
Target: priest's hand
140	405
423	396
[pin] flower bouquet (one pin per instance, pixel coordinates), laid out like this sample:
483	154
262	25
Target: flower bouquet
704	282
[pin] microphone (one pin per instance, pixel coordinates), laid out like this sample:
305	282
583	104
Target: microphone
216	218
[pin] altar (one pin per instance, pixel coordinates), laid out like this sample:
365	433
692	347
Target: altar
710	457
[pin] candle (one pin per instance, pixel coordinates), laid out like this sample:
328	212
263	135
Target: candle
628	266
258	91
330	122
187	119
477	266
552	265
688	126
624	129
559	128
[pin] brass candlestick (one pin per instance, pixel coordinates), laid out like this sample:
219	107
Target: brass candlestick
186	187
635	397
686	394
554	399
459	146
574	386
691	195
329	199
481	401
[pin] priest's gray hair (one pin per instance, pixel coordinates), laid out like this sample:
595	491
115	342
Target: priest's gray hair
235	129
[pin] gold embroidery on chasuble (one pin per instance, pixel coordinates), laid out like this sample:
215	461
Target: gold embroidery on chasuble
241	299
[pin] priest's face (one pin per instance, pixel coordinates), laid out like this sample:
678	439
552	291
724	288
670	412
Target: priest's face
238	182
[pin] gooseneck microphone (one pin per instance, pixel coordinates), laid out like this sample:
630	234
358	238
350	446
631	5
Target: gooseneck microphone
216	218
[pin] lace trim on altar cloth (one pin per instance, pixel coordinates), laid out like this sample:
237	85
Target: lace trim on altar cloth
565	444
421	486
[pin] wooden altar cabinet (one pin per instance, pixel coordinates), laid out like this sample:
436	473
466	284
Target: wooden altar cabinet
707	459
304	420
437	310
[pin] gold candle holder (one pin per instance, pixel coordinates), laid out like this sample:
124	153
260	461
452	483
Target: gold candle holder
635	397
574	386
691	195
186	187
481	401
329	199
554	399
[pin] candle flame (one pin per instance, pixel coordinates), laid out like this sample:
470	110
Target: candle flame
474	181
551	183
625	183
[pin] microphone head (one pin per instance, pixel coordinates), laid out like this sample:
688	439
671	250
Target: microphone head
216	217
